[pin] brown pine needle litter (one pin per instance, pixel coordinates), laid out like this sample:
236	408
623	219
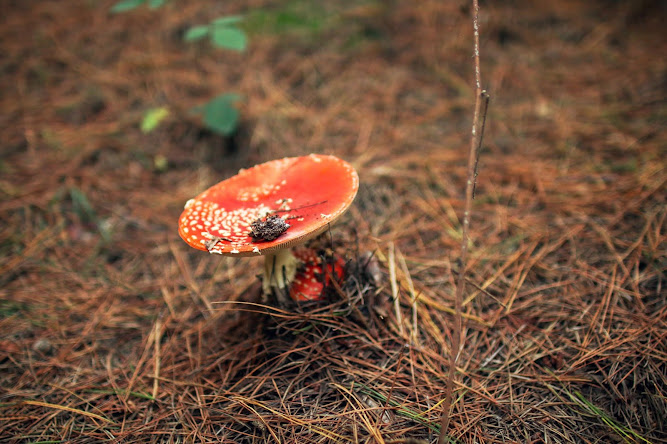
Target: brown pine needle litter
113	330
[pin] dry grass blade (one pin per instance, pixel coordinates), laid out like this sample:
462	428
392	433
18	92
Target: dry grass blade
68	409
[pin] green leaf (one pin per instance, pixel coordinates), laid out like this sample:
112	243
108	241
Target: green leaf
154	4
196	33
81	206
152	118
230	38
226	21
126	5
160	163
220	115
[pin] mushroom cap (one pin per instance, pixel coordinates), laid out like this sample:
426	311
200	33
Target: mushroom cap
313	275
309	192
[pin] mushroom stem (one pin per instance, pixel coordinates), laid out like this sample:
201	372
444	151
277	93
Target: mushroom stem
279	270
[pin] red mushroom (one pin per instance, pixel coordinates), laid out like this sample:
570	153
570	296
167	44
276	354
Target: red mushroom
313	275
269	208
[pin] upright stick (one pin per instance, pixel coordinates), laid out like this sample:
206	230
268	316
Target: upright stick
470	182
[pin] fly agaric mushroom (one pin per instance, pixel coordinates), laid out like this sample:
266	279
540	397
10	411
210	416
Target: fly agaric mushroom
316	274
269	208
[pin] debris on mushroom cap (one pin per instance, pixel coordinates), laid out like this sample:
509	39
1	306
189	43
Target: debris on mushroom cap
311	279
308	193
268	228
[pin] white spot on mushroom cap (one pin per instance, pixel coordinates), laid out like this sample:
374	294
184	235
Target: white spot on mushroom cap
255	193
206	221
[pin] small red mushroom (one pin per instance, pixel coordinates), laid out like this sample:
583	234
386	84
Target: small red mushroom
311	278
269	208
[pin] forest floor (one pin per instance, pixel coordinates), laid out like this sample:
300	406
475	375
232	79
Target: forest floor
113	329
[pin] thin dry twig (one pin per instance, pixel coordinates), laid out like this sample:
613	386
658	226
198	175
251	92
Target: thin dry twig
471	173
